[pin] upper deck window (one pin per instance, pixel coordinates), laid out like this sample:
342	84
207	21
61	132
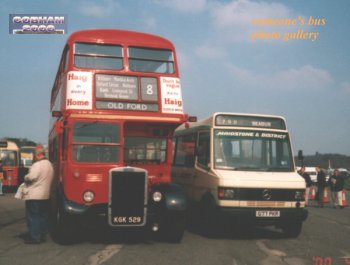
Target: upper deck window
151	60
97	56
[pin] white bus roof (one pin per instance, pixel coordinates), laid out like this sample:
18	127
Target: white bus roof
10	146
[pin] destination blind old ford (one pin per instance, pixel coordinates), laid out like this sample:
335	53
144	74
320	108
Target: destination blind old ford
116	102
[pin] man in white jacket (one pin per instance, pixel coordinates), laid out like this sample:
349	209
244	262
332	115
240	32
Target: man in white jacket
36	195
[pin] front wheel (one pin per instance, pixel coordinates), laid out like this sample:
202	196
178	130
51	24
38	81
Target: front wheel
210	223
63	227
173	227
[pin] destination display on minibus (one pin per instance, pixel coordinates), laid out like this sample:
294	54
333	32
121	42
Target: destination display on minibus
248	121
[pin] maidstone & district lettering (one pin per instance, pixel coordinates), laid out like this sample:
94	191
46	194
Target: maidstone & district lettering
252	134
273	135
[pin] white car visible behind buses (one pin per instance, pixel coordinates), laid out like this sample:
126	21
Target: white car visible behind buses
239	168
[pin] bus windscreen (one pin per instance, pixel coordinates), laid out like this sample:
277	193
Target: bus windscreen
252	150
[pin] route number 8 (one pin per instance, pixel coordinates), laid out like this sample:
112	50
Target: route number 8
149	90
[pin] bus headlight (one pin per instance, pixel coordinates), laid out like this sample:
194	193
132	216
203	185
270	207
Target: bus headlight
298	195
88	196
226	194
157	196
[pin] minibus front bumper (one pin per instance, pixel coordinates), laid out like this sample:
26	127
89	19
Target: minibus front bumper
262	216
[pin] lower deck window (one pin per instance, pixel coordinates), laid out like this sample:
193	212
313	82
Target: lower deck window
142	149
95	153
96	142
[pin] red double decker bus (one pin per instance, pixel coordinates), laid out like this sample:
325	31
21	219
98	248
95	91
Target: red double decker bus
115	103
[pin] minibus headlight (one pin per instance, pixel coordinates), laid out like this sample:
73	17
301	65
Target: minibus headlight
157	196
226	194
298	195
88	196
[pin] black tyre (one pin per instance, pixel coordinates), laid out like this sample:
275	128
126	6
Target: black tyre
63	227
173	227
209	221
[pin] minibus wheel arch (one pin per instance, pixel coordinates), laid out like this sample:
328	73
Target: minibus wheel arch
208	215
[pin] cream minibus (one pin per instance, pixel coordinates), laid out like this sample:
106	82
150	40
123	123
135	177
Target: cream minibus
240	168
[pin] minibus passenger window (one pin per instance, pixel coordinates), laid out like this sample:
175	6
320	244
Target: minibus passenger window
203	149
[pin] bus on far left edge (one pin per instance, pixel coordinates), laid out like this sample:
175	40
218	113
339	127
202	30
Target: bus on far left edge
11	161
115	104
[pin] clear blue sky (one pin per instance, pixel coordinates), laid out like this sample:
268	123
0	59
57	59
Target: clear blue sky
222	69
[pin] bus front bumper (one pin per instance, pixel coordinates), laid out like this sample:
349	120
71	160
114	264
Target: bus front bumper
173	205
